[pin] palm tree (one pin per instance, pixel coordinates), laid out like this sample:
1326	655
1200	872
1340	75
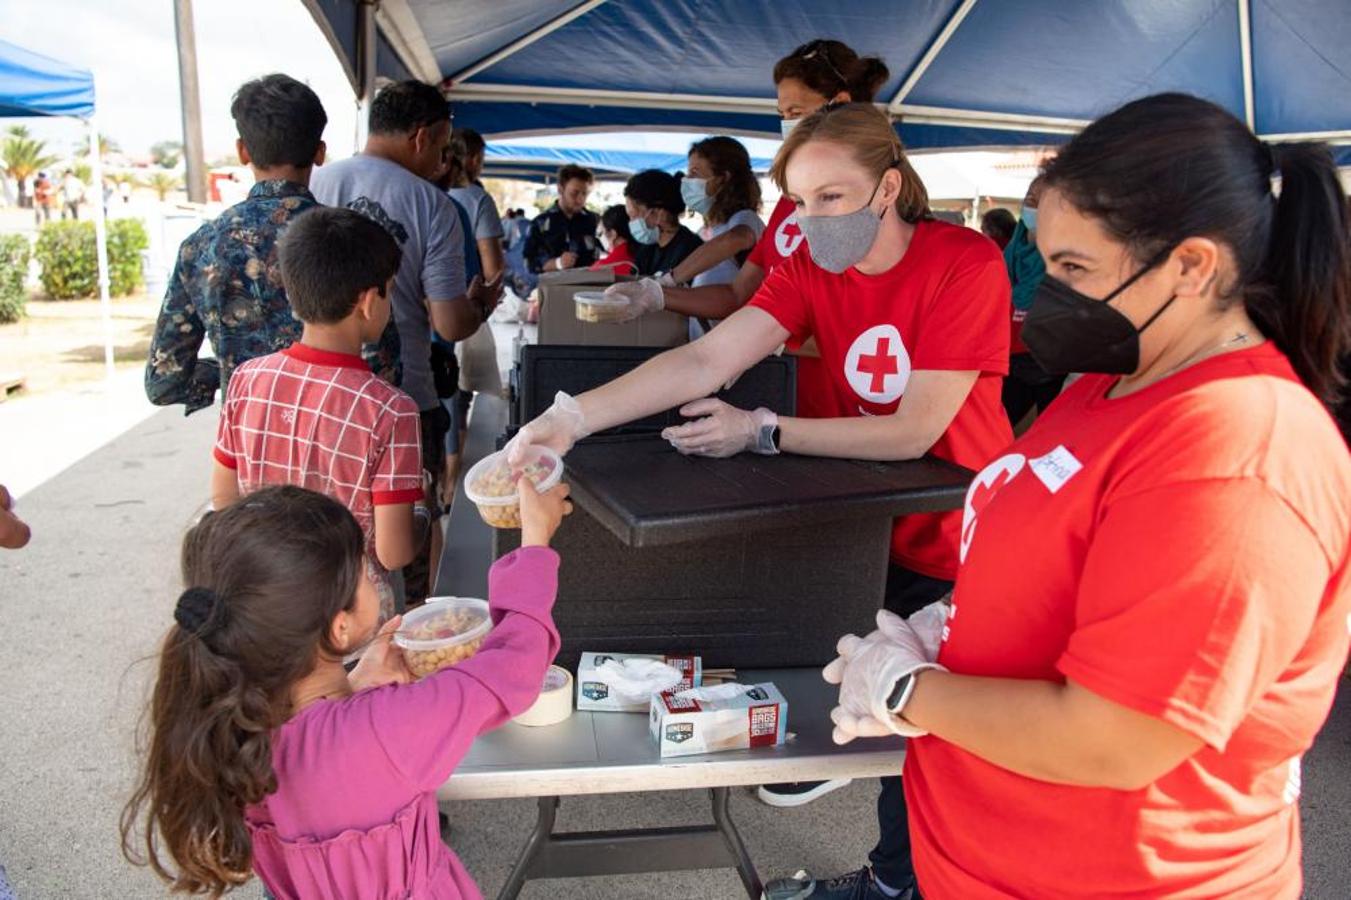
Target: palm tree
106	145
24	156
163	182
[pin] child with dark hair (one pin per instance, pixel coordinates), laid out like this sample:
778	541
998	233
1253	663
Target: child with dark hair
226	286
265	756
314	414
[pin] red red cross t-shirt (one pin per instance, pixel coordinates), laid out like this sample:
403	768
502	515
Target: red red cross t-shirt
944	306
779	242
1181	551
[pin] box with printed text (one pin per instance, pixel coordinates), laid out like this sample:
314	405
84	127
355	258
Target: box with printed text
685	726
597	691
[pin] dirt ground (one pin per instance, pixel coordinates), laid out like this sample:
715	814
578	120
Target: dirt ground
59	343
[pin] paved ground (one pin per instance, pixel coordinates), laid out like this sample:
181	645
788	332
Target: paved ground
82	608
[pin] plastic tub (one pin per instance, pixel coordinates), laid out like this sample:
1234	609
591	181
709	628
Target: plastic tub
442	632
594	306
491	484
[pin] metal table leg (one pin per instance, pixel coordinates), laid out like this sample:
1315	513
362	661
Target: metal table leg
544	827
722	817
589	853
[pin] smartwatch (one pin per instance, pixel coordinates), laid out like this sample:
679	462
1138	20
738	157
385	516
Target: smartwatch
900	694
776	438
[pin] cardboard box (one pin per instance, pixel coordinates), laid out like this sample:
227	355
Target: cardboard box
685	726
593	693
558	322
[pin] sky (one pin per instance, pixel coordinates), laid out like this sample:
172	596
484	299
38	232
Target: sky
131	47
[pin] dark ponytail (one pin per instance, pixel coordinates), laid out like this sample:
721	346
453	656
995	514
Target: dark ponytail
265	579
1308	311
1172	166
828	67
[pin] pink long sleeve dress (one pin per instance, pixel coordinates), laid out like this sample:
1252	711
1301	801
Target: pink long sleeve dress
354	814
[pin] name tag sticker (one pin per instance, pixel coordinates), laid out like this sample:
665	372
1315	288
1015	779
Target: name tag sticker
1055	468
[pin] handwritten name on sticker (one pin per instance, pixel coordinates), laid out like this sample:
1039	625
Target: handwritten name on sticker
1055	468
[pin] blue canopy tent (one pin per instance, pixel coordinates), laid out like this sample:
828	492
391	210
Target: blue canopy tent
36	85
964	72
503	159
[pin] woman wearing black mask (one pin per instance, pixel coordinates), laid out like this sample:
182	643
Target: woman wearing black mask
1151	614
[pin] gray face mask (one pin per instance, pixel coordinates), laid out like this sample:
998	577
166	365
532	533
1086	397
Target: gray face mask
838	242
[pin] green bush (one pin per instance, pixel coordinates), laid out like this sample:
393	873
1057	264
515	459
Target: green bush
14	254
68	255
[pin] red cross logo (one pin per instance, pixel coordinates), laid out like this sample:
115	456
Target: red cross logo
879	365
992	479
788	237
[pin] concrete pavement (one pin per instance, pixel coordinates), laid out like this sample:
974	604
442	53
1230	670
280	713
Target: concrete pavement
81	609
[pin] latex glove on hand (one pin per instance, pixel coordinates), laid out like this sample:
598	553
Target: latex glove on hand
867	670
722	430
667	280
559	428
644	296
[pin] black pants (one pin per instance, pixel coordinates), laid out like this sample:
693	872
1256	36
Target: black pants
1028	385
907	592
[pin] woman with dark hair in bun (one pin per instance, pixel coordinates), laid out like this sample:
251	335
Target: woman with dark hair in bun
1154	587
654	204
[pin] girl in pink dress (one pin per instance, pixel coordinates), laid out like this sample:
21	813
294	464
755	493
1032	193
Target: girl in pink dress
265	755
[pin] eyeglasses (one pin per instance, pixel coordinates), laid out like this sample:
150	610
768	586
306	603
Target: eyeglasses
821	50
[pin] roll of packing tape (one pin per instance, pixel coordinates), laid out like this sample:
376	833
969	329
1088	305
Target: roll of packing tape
554	703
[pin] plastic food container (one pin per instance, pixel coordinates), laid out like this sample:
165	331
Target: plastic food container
442	632
491	485
594	306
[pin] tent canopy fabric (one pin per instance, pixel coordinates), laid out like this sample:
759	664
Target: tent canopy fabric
36	85
499	155
963	72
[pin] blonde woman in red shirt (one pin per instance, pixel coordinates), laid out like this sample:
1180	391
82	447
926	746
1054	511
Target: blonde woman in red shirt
1151	614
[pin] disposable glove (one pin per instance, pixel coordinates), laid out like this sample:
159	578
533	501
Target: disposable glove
559	428
722	430
644	296
867	670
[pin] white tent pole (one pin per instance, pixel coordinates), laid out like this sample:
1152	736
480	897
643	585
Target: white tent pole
524	41
1245	53
101	244
941	41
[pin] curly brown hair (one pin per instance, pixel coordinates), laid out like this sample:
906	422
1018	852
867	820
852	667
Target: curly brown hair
273	570
739	189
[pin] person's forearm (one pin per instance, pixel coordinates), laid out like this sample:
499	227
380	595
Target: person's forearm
455	319
1028	727
881	438
669	380
713	251
491	256
712	301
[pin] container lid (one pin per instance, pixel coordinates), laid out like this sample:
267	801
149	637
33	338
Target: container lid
598	298
413	623
542	465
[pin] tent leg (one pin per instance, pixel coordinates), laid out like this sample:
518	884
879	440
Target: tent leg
101	243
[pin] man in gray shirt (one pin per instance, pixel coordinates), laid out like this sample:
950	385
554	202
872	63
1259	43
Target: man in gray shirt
388	181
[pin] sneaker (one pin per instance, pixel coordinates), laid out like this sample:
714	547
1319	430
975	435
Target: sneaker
797	793
859	885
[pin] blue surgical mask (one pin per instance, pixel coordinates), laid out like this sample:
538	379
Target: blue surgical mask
694	191
786	126
642	232
1029	217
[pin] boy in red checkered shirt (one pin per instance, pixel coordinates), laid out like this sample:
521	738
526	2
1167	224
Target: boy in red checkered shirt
314	415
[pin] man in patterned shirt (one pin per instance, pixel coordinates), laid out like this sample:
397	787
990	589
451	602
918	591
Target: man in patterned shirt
227	285
314	414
